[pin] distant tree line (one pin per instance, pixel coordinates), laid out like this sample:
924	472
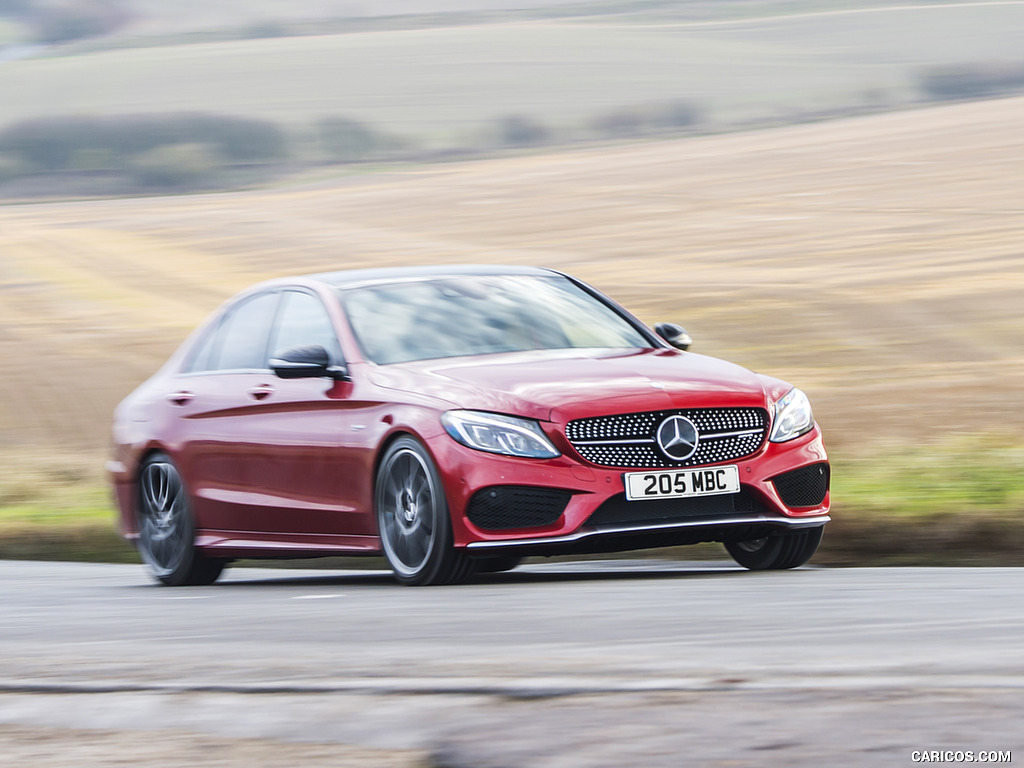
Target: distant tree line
622	123
60	143
194	151
153	150
645	120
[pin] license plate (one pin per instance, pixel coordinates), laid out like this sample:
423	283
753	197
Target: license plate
682	483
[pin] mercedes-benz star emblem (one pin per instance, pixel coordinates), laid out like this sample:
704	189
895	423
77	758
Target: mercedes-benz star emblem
677	438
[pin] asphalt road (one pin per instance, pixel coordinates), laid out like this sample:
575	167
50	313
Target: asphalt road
642	663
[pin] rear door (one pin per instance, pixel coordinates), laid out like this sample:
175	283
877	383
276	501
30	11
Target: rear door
261	454
215	396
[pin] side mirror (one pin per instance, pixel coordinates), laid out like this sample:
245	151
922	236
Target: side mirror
312	362
674	334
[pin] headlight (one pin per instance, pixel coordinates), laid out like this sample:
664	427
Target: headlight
494	433
793	416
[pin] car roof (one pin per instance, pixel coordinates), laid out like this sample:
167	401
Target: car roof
358	277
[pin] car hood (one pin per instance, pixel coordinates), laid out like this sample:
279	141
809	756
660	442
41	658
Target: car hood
559	385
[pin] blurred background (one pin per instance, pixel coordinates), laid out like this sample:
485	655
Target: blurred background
829	192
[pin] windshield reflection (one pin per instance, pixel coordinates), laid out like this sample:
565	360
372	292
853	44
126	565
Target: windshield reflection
480	315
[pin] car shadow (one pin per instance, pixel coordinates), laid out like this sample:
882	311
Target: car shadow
529	574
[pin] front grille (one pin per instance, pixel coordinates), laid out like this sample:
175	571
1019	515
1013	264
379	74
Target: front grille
618	511
629	440
804	487
500	507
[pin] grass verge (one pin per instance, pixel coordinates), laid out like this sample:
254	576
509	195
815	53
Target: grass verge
959	502
955	502
57	508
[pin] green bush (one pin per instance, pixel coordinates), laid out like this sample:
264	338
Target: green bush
972	81
92	159
519	131
677	114
345	141
642	120
238	139
45	144
11	166
621	124
177	167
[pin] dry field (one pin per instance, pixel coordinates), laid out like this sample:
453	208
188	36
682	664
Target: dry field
878	262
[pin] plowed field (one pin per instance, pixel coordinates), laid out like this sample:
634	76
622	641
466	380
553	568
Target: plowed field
878	262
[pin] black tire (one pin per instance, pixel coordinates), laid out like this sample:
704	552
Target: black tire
167	529
497	564
777	552
413	520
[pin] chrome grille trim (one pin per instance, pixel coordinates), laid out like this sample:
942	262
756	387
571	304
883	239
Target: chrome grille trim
652	441
628	440
613	441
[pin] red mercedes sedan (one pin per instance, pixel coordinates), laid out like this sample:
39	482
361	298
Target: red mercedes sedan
456	419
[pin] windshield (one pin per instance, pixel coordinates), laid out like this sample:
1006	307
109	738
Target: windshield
480	315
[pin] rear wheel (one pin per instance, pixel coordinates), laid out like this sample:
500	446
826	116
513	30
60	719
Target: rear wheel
167	529
412	517
777	552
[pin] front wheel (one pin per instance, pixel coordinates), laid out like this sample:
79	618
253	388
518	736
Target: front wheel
167	530
777	552
412	517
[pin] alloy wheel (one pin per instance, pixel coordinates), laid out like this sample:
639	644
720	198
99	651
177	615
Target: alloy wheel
164	525
408	511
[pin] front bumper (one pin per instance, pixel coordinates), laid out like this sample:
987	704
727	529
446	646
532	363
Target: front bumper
620	538
757	511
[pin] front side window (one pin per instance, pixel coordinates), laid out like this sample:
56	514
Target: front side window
481	314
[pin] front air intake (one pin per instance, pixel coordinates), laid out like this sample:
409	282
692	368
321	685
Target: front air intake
502	507
804	487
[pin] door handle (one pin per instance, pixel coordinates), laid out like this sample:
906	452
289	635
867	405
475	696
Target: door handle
180	398
261	392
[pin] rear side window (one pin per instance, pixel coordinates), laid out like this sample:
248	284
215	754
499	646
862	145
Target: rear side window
203	354
240	341
303	321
